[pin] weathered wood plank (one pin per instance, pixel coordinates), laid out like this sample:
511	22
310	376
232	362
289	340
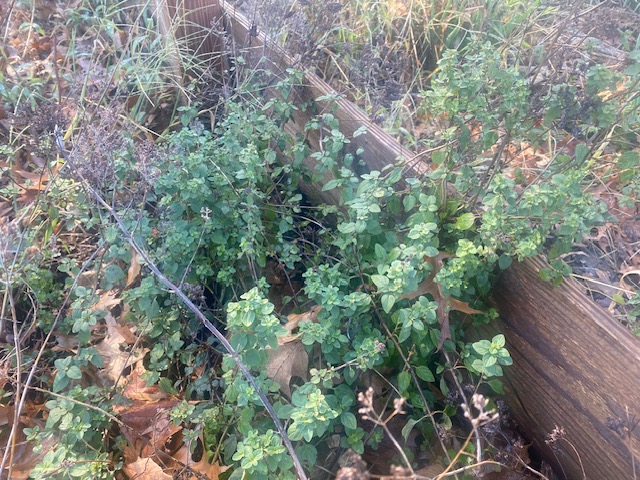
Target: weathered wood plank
574	366
197	25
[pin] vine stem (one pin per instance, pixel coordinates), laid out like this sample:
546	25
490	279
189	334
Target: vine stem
196	311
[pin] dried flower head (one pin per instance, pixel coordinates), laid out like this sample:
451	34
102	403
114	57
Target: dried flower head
556	434
366	399
483	417
9	243
398	403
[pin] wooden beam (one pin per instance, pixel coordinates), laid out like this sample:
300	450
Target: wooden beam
198	26
574	367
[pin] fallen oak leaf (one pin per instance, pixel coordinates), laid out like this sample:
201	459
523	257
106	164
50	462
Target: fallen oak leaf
135	386
33	176
212	471
290	359
428	285
145	469
460	306
5	208
134	270
107	301
288	338
294	320
287	361
445	303
148	425
115	360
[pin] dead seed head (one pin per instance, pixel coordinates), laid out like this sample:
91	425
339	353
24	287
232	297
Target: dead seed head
40	122
366	399
94	153
484	417
147	157
9	241
398	472
398	403
556	434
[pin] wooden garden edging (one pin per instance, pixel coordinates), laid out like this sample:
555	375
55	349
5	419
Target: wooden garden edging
575	366
380	149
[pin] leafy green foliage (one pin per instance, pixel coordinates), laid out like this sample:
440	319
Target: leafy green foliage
213	200
262	455
488	104
215	208
79	435
492	355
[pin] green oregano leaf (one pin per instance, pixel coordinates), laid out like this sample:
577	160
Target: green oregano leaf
465	221
425	374
404	380
387	302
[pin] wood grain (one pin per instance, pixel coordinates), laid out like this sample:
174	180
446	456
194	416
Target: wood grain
380	149
574	366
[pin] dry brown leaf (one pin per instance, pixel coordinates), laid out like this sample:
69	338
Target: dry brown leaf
149	425
134	270
445	304
6	415
5	208
211	470
23	459
145	469
136	387
460	306
295	319
288	338
88	279
293	322
6	375
630	285
65	343
107	301
287	361
27	459
161	430
27	196
431	471
33	176
115	359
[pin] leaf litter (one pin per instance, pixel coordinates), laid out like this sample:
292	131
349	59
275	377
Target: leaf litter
290	359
